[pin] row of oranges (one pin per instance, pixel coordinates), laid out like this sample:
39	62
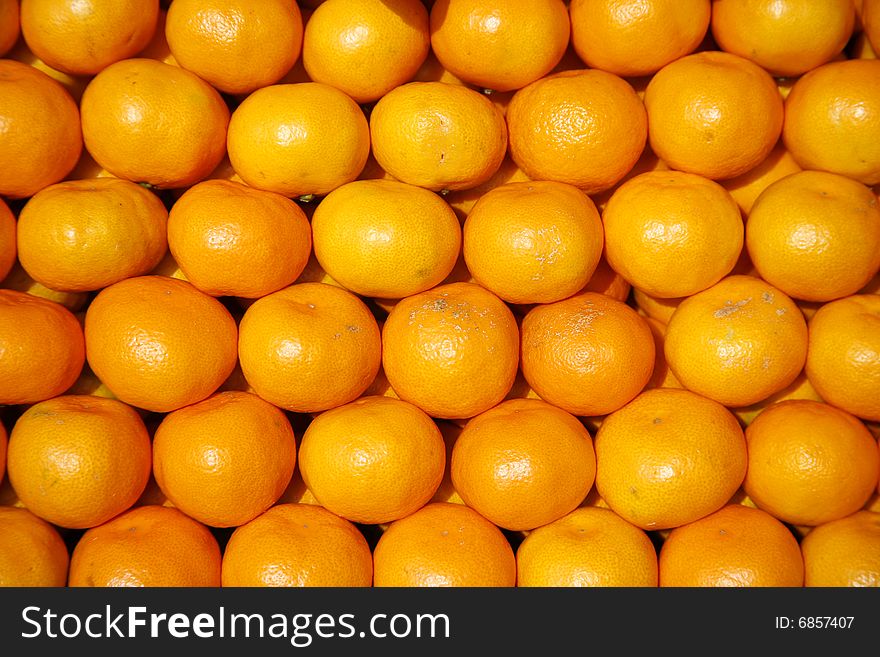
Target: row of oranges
408	296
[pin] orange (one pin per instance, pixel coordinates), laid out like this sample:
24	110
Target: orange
736	546
586	128
437	135
587	547
452	351
73	84
815	235
463	201
155	123
3	443
8	247
224	460
18	279
634	37
309	347
41	348
832	119
737	342
40	134
669	457
297	545
158	48
523	463
788	37
810	463
374	460
800	388
83	235
533	242
232	240
870	20
607	281
78	460
141	342
149	546
366	48
444	544
235	45
588	354
714	114
83	37
499	45
387	239
844	552
662	377
32	552
843	360
657	308
10	24
298	139
672	234
746	187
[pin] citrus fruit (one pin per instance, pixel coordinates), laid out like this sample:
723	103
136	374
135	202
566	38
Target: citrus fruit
148	546
309	347
78	460
746	187
141	342
587	547
83	235
373	460
452	350
41	348
297	545
226	459
844	552
588	354
8	247
10	25
232	240
523	463
443	544
32	552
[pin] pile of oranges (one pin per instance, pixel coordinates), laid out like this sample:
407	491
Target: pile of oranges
441	293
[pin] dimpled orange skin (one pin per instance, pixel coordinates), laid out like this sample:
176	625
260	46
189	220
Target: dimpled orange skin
373	460
588	547
523	463
232	240
437	135
737	546
443	544
587	128
633	37
8	247
588	354
533	242
499	46
235	45
387	239
844	552
815	235
746	187
148	546
3	442
366	48
83	235
42	348
151	122
298	139
786	38
668	458
10	24
737	342
86	36
714	114
297	545
309	347
224	460
832	119
843	359
870	20
79	460
672	234
40	133
452	351
158	343
32	552
809	462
